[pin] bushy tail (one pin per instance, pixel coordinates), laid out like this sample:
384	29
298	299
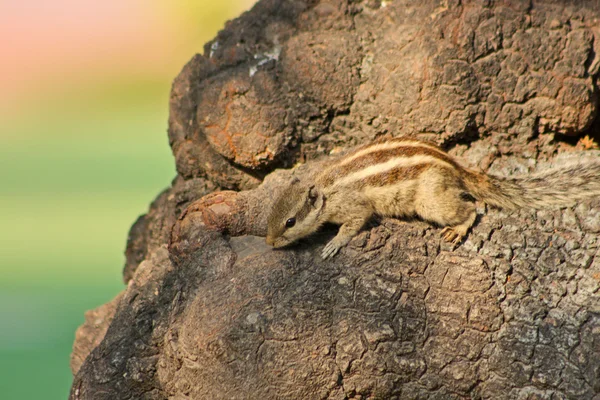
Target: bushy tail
553	188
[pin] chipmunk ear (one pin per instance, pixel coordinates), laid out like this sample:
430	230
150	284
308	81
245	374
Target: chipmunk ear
294	180
315	197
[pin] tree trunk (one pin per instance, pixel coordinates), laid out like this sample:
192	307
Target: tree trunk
211	312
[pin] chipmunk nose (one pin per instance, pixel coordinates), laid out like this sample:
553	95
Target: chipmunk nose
270	241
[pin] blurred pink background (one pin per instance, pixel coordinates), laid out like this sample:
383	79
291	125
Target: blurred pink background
84	92
48	44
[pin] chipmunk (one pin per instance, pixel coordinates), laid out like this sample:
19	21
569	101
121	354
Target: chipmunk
405	177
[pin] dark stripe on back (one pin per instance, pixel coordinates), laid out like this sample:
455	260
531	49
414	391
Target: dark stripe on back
393	176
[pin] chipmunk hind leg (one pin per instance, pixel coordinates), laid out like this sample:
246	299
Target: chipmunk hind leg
456	233
447	205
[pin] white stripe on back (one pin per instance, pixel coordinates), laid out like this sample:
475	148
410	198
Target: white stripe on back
397	162
388	146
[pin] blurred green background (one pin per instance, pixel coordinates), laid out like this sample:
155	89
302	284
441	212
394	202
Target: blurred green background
84	92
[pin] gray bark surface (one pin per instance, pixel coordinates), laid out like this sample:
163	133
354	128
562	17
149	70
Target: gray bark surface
211	312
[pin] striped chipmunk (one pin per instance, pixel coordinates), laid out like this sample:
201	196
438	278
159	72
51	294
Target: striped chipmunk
405	177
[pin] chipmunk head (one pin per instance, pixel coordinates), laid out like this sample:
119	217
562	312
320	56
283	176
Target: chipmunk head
295	214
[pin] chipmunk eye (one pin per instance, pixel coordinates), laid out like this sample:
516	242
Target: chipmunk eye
290	222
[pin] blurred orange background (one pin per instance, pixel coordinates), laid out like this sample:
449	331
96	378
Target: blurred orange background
84	92
63	44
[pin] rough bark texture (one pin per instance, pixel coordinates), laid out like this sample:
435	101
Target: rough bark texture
210	312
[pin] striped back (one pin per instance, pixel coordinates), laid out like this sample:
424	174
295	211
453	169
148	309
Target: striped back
386	162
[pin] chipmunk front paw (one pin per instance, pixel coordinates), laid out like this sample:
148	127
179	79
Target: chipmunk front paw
331	249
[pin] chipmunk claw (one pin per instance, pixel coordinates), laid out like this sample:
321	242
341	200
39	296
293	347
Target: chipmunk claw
450	235
330	250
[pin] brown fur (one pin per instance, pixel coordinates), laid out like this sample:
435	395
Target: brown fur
393	176
404	177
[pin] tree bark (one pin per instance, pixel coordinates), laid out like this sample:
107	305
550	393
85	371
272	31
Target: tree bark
211	312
